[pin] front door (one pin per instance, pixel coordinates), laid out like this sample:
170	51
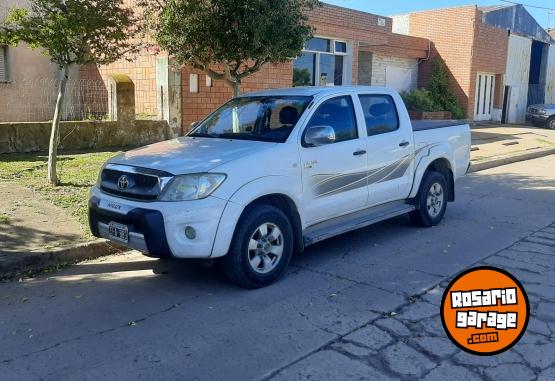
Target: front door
334	174
485	85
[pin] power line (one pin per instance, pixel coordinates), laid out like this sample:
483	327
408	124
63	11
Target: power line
528	5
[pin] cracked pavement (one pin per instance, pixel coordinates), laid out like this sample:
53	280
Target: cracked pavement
364	305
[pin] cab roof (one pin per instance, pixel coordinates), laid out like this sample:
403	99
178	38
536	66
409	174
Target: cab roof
315	91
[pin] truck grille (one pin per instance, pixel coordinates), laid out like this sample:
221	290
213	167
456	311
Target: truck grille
134	183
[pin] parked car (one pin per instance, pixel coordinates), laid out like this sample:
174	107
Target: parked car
273	172
542	115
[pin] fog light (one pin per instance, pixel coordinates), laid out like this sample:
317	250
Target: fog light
190	232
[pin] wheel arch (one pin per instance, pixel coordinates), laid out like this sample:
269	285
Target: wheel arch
441	165
286	205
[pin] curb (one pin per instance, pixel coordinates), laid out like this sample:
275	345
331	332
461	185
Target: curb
498	161
33	262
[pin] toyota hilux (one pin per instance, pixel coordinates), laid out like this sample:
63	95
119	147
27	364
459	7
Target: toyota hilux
271	173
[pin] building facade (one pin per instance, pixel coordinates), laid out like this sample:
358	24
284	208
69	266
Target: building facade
499	58
349	47
28	81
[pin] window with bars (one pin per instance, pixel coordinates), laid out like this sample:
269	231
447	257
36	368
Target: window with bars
3	63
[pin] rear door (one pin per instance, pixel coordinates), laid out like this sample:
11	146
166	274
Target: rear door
334	175
390	147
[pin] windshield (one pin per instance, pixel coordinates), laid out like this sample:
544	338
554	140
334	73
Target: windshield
269	119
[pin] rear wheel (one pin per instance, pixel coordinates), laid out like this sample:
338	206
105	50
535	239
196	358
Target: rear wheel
431	201
261	247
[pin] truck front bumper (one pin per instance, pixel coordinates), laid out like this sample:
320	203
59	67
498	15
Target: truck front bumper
158	228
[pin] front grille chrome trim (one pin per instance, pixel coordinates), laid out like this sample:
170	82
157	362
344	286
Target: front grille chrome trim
161	178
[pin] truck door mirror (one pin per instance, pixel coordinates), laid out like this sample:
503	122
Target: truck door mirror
318	136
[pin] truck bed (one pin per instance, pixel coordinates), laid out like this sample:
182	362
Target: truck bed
421	125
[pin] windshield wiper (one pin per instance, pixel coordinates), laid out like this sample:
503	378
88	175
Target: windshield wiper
203	135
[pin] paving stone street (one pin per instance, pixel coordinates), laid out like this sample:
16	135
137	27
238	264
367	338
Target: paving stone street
411	343
364	305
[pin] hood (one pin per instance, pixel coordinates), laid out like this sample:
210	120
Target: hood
189	155
544	106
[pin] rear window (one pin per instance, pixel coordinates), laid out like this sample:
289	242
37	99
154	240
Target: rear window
380	114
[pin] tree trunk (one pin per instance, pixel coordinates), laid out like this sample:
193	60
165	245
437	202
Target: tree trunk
55	133
236	87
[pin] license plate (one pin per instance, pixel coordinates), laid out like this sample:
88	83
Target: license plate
118	232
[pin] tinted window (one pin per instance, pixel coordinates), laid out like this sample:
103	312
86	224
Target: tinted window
339	114
380	114
340	47
319	45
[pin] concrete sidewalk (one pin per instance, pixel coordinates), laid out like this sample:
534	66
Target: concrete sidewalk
35	234
494	145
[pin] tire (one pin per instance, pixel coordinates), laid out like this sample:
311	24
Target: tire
550	123
258	265
433	189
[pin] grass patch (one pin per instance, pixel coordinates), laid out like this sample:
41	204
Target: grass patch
4	219
77	173
546	142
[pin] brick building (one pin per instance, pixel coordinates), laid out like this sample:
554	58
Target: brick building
350	47
500	60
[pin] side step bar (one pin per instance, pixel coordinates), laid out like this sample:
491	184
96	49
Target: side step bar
353	221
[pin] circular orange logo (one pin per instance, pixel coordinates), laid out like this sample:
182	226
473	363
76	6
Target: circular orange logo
485	310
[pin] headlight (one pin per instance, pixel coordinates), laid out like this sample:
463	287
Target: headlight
192	187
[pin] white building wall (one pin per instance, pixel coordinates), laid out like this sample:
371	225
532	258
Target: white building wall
550	76
517	77
399	73
401	24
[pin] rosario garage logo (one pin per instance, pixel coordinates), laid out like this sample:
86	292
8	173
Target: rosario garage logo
485	311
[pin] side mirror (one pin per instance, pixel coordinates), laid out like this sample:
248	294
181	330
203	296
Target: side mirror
192	125
319	136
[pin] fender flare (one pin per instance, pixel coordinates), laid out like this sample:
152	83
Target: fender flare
424	158
244	196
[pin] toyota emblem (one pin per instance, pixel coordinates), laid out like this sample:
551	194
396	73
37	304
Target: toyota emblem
123	182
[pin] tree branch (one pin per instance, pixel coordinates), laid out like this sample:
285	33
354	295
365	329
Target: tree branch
253	69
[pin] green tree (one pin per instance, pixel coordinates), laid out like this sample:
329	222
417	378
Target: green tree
230	39
440	90
71	32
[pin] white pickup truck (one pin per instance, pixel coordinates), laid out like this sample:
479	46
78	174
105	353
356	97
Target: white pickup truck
273	172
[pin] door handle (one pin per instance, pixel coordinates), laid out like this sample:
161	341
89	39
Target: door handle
404	144
359	153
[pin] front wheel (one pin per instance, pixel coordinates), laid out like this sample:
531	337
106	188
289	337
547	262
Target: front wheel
261	247
431	201
551	123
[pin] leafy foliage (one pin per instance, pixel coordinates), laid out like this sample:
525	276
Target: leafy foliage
230	39
440	90
73	31
420	100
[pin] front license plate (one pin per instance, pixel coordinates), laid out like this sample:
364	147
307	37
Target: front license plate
118	232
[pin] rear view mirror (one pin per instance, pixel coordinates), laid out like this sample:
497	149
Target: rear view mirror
319	136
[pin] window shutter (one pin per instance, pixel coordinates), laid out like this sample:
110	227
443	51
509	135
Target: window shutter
3	76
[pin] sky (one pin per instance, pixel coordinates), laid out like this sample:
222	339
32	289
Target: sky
394	7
